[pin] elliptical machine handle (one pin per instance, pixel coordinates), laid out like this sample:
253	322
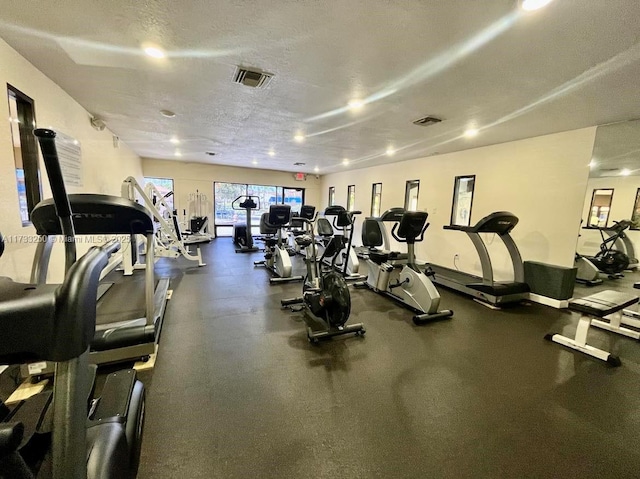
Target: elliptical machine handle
47	140
395	236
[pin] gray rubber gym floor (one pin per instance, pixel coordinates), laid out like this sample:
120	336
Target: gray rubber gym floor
238	392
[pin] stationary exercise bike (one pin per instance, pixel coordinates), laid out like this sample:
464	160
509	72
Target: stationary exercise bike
403	282
64	435
325	294
347	262
276	257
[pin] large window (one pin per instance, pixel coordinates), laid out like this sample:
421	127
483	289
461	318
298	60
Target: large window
25	151
164	187
600	208
635	216
332	195
462	200
376	199
411	195
351	197
225	217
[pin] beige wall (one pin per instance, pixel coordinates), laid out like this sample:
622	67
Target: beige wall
103	166
189	177
624	197
541	180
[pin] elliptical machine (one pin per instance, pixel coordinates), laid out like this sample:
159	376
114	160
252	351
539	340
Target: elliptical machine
96	443
277	259
325	295
242	234
608	260
403	282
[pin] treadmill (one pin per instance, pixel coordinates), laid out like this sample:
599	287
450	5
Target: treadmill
130	310
485	289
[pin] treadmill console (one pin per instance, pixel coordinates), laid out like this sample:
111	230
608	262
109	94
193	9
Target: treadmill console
393	215
500	222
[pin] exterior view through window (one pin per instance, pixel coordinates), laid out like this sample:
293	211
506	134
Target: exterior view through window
411	195
164	187
332	195
376	199
635	216
351	197
22	121
225	216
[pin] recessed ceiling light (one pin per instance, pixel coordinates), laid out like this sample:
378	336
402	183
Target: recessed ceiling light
254	162
593	164
155	52
531	5
625	172
178	154
167	113
272	153
471	132
390	151
345	161
299	138
316	169
175	141
355	104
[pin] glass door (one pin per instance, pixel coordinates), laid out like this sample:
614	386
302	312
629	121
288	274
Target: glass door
293	197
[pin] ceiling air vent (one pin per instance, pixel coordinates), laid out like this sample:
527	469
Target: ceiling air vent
427	121
254	78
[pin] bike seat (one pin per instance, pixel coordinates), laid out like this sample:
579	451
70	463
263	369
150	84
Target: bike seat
378	257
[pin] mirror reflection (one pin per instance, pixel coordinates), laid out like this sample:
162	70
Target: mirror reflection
610	233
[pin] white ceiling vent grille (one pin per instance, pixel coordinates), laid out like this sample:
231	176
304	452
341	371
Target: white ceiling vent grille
427	121
252	77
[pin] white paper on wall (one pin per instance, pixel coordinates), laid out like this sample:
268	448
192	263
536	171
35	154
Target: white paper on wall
70	155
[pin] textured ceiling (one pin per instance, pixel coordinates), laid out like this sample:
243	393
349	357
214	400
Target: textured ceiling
513	75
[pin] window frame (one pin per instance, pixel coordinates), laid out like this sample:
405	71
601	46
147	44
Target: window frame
407	190
373	199
635	218
280	199
29	151
593	197
454	203
351	191
332	196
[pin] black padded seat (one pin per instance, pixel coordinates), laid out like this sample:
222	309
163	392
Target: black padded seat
379	257
603	303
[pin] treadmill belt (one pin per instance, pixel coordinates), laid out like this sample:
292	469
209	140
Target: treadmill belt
102	289
124	301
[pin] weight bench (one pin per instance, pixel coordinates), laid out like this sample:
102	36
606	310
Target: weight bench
594	308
